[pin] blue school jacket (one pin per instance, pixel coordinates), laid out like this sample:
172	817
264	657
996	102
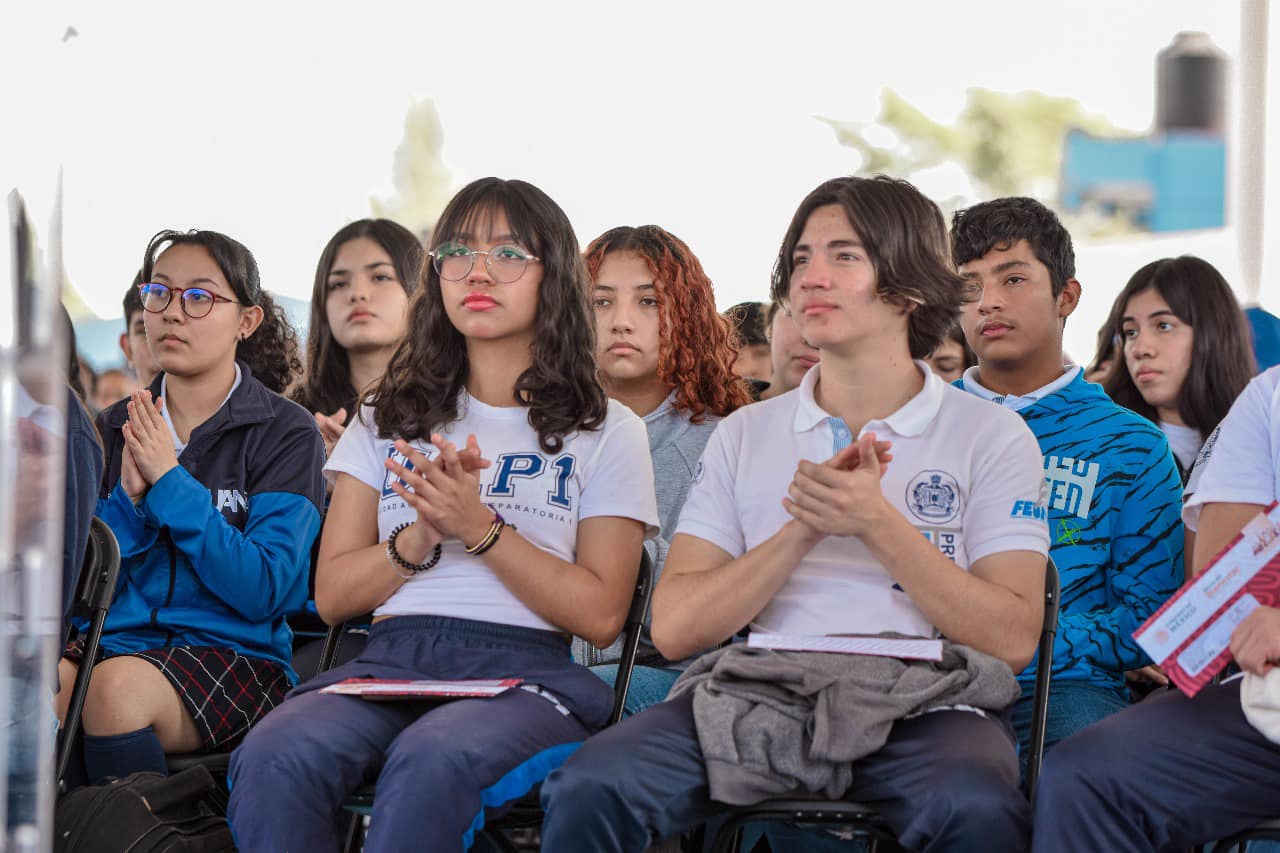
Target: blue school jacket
219	549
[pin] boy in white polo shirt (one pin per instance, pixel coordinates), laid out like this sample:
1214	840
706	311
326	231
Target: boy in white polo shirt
945	535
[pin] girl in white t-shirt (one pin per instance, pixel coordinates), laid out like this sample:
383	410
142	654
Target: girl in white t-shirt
477	563
1185	344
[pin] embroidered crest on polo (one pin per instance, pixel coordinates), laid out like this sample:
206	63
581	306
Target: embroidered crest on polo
933	496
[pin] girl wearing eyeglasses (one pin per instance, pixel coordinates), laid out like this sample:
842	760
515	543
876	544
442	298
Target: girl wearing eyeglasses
489	501
359	308
213	489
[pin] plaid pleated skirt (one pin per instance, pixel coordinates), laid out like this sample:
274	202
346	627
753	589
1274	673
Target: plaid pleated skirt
224	692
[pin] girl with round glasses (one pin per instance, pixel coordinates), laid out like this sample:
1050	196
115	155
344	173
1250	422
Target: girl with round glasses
367	273
213	489
477	563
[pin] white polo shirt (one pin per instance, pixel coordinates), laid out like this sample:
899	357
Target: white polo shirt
968	475
1240	463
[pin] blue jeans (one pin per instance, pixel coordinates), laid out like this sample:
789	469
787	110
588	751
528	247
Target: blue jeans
28	719
649	685
1073	706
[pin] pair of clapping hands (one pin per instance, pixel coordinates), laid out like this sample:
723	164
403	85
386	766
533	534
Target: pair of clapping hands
149	451
841	496
445	494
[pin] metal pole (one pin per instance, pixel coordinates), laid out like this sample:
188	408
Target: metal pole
1251	148
33	399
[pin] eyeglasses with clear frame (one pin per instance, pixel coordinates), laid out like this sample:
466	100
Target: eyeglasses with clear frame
506	263
196	302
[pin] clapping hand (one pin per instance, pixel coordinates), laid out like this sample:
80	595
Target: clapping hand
331	428
842	496
451	468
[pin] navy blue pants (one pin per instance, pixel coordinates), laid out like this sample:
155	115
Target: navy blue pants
1166	774
437	772
944	781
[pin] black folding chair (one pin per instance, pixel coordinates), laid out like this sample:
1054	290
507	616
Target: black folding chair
865	820
525	813
94	594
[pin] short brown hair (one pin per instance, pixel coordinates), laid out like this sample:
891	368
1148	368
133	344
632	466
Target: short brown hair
906	238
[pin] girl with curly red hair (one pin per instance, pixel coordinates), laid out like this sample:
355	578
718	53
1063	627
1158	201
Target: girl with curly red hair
663	351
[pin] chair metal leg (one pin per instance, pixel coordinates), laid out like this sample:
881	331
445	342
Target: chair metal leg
355	835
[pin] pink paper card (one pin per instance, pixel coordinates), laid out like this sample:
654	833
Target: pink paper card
1190	635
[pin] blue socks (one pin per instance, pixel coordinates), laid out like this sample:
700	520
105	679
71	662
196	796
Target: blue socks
120	755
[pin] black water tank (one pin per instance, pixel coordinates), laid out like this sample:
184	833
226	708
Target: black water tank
1191	86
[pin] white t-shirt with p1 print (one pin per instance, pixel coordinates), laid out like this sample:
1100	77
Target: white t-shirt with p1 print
603	472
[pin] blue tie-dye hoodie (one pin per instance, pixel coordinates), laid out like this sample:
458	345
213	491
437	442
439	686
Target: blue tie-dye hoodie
1115	526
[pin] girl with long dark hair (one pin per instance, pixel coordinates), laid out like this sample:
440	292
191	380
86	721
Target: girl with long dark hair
365	278
471	572
213	489
1185	344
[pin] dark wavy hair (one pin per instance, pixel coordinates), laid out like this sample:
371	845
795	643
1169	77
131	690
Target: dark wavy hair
271	352
1222	360
419	394
905	237
1000	223
327	384
696	345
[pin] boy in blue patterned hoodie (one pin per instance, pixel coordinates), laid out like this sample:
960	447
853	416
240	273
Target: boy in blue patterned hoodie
1113	489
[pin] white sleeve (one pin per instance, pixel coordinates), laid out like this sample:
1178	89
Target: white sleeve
1238	464
711	511
618	480
1007	503
356	453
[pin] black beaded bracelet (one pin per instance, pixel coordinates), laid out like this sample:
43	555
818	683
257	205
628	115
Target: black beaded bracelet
400	562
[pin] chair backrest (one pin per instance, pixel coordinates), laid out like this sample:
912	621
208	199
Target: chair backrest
101	568
1044	669
96	590
631	630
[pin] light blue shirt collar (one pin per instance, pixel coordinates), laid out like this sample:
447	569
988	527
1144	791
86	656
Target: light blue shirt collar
1013	402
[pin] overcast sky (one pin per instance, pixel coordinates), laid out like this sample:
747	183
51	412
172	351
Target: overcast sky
276	122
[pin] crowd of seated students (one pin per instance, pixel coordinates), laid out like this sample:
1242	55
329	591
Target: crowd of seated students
481	413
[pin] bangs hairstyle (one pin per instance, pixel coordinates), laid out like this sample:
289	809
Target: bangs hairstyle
271	352
906	240
1222	361
327	386
1001	223
696	345
419	394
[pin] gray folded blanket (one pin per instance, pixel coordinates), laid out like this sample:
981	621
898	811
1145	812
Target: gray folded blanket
776	723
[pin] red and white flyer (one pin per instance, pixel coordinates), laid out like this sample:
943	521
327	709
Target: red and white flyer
1190	635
